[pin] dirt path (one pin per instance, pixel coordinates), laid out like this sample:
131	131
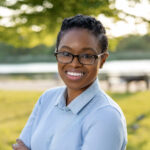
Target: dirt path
11	84
28	84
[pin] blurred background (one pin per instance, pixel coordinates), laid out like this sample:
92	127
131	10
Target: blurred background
28	31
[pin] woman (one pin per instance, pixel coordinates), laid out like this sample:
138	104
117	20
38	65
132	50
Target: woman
79	116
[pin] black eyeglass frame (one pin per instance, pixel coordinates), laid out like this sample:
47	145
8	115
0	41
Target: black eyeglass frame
78	57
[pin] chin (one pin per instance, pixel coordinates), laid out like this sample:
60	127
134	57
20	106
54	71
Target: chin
77	87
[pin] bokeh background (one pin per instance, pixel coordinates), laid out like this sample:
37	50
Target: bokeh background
28	30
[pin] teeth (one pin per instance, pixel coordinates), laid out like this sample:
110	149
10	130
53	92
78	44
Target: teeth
75	74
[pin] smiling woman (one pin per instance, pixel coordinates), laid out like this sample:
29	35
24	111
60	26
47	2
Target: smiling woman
78	116
76	75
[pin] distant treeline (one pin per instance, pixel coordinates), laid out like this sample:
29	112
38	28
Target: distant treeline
134	42
9	50
39	53
131	47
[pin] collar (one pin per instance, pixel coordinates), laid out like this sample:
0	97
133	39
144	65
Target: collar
80	101
61	99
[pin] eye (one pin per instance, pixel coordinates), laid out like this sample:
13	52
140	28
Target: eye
86	56
65	53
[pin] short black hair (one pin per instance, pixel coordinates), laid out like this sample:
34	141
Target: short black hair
84	22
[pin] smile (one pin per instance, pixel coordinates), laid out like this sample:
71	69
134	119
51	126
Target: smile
74	75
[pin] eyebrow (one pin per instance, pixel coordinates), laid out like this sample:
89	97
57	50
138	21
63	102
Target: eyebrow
85	49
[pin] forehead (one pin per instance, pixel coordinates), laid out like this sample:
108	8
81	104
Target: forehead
79	39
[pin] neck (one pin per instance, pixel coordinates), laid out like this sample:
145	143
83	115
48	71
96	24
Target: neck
72	94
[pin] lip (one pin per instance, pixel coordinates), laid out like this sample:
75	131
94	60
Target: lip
74	74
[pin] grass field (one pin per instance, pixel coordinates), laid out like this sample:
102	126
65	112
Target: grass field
15	107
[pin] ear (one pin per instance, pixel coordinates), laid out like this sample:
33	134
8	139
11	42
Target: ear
103	59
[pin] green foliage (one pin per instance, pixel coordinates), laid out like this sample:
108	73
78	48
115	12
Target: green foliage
38	21
132	47
15	107
127	48
5	49
35	22
113	42
39	53
134	42
129	55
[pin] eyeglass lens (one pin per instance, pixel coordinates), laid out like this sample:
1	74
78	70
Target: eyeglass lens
65	57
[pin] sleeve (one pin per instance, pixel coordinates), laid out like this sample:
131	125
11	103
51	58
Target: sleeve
26	133
104	132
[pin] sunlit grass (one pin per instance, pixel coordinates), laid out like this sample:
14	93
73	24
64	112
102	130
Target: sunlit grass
15	107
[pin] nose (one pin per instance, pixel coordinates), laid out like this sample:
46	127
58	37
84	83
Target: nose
75	62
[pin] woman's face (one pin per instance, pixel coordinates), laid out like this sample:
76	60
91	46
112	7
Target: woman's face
77	76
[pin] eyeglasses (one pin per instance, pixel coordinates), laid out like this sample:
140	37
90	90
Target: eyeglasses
85	59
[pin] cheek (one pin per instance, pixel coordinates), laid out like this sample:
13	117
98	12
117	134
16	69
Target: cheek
93	72
96	67
61	70
58	67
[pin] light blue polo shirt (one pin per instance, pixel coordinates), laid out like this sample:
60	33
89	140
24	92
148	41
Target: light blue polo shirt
92	121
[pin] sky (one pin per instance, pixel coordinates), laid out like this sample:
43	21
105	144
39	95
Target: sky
130	25
114	29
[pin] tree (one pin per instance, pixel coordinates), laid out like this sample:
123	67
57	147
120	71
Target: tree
37	21
134	43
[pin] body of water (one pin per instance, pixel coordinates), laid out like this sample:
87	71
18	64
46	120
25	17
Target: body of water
110	67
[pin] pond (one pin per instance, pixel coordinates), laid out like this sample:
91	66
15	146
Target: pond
110	67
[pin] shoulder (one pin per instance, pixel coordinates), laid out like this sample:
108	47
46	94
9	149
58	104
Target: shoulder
106	115
107	119
106	125
105	111
105	104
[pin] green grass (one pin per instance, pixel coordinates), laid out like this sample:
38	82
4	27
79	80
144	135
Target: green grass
15	107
